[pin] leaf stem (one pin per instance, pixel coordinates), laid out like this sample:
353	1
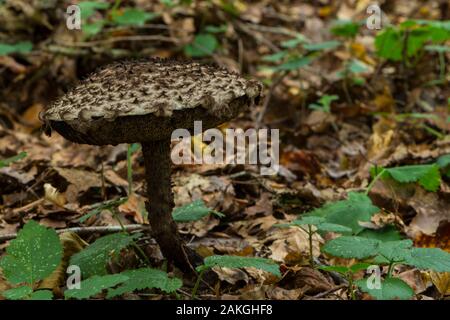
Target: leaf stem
197	284
371	184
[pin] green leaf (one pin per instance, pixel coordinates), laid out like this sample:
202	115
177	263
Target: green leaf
388	233
338	269
91	29
20	47
292	43
41	295
327	45
88	8
344	28
430	258
276	57
356	66
193	211
146	278
294	64
427	176
359	266
332	227
311	220
95	285
132	17
33	255
395	251
358	207
391	288
93	259
17	293
241	262
6	162
389	44
351	247
203	45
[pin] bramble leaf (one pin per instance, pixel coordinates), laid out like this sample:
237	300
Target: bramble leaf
33	255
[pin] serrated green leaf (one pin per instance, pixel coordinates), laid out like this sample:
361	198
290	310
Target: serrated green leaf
359	266
430	258
332	227
388	233
427	176
33	255
389	43
95	285
19	47
327	45
351	247
241	262
391	288
193	211
311	220
6	162
358	207
203	45
17	293
41	295
395	251
93	259
146	278
132	17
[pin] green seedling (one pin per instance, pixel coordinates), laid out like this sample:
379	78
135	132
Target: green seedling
312	225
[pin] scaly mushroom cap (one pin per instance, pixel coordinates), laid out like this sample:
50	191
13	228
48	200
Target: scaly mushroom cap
145	100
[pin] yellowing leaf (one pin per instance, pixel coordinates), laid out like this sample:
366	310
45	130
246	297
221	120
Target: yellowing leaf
54	196
442	282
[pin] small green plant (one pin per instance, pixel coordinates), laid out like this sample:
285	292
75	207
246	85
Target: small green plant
324	103
124	282
193	211
19	47
312	225
31	257
8	161
388	253
235	262
407	42
349	274
205	43
115	16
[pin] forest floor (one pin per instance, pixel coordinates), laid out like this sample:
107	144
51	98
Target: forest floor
349	107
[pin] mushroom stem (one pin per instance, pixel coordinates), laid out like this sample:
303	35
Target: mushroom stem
160	205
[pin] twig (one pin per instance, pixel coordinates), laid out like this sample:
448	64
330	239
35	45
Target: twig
89	230
325	293
89	44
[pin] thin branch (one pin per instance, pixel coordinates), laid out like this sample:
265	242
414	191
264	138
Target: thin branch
88	230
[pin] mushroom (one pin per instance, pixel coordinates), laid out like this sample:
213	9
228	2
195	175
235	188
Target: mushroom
145	101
